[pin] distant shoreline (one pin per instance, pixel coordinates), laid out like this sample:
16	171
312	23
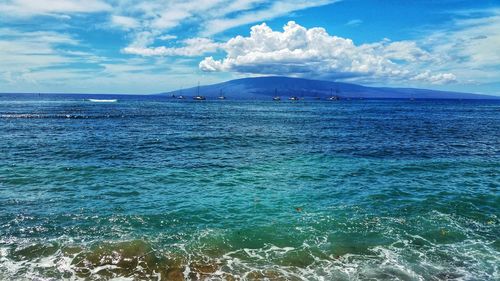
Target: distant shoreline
166	97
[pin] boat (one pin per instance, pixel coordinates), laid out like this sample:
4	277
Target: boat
221	96
294	98
180	96
198	96
276	97
333	97
99	100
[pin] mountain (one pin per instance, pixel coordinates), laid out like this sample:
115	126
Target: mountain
265	87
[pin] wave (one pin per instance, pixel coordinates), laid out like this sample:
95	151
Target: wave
104	101
140	260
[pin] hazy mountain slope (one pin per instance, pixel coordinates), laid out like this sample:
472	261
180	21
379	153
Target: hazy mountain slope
265	87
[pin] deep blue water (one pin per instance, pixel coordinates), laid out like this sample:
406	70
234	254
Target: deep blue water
151	188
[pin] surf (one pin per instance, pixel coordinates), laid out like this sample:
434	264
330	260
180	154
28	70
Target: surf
103	101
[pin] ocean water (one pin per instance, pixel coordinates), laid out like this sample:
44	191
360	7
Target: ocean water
149	188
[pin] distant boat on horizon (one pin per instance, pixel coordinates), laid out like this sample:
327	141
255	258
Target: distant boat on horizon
333	97
180	96
198	96
294	98
101	100
276	97
221	95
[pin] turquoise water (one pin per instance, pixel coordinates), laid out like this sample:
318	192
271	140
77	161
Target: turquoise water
154	189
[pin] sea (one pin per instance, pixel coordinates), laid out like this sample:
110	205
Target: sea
154	188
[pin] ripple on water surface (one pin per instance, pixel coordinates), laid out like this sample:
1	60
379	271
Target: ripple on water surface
147	189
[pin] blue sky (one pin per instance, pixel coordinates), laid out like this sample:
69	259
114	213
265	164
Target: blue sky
140	47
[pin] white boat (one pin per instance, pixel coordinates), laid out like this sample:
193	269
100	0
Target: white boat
198	96
221	95
276	97
334	97
99	100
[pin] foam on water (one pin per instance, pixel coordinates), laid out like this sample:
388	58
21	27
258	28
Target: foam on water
409	257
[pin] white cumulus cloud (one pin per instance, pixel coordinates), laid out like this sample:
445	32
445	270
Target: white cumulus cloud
299	51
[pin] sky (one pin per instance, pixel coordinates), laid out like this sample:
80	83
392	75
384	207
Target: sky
143	47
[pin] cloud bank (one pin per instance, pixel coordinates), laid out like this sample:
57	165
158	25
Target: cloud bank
298	51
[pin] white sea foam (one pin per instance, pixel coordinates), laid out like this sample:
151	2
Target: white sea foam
385	263
103	100
469	259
